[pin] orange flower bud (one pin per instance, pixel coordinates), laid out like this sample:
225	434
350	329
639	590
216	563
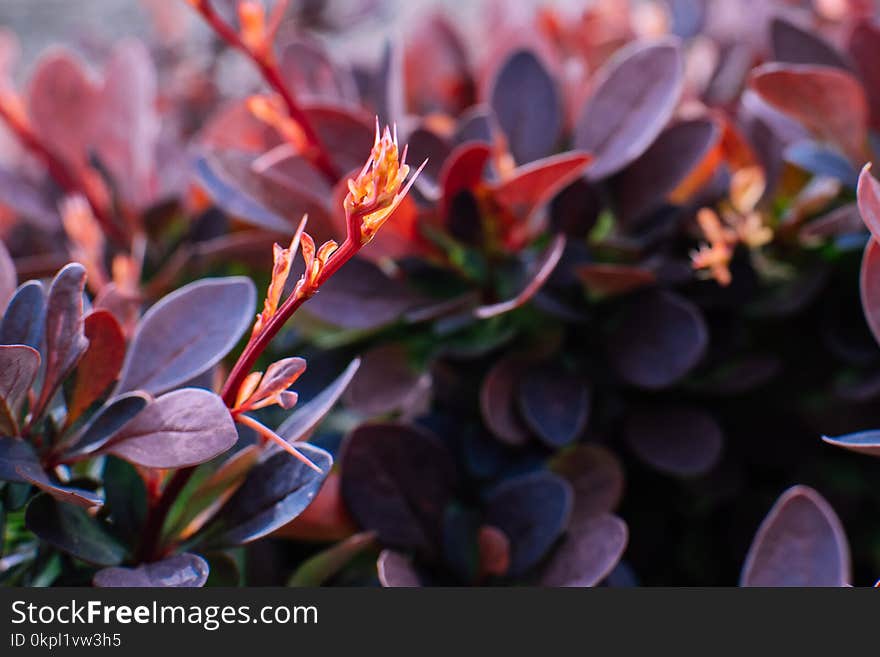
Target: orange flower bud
252	19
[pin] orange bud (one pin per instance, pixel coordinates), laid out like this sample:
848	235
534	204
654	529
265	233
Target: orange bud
252	19
270	111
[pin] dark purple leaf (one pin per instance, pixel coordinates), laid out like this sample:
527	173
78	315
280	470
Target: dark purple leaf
661	338
589	552
387	383
24	320
106	422
800	543
397	481
8	277
73	530
794	45
632	100
18	369
306	66
275	492
35	475
14	454
65	337
180	570
498	401
645	185
181	428
187	332
870	286
475	125
865	442
596	477
555	403
532	510
303	421
528	106
396	570
680	441
361	297
864	49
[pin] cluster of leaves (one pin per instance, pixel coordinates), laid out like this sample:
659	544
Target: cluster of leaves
601	333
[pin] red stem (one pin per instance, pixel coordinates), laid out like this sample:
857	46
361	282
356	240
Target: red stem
316	151
67	179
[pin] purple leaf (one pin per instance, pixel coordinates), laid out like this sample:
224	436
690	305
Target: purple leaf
588	553
645	185
794	45
864	49
870	286
107	422
632	100
8	277
533	511
180	429
800	543
24	320
306	418
396	570
498	401
65	338
180	570
680	441
596	477
18	369
275	492
864	442
187	332
28	199
35	475
660	339
15	453
528	106
397	481
555	404
387	383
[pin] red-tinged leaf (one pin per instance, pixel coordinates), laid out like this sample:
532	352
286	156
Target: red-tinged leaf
498	401
659	340
864	48
604	280
528	106
303	421
235	128
279	377
828	102
869	200
307	66
865	442
387	383
18	369
632	100
397	481
346	134
800	543
63	104
128	121
533	185
100	364
681	441
8	277
65	337
24	320
436	69
187	332
34	474
589	552
645	185
494	550
462	171
596	477
545	267
396	571
318	569
870	286
179	571
180	429
794	45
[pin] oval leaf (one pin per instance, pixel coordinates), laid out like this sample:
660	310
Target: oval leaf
106	422
187	332
396	570
800	543
633	99
100	363
864	442
588	554
555	404
180	570
180	429
24	319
